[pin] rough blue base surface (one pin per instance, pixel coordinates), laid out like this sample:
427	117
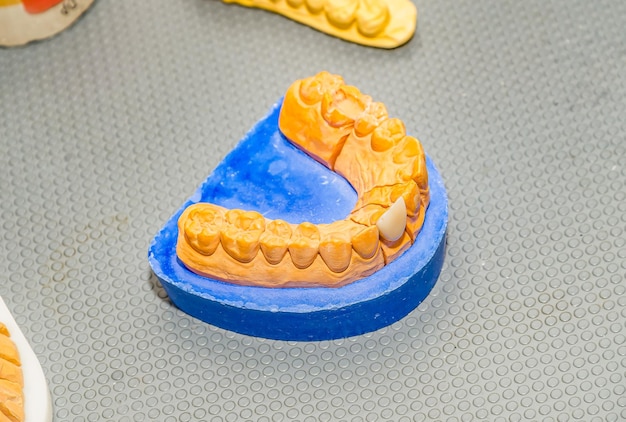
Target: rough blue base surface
267	174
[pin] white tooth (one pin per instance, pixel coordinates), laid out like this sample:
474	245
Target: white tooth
393	222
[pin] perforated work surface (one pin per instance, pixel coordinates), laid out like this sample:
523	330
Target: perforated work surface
106	129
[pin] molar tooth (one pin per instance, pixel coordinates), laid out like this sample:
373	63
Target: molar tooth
407	149
393	222
315	6
202	228
240	239
333	112
410	153
294	3
341	13
372	17
311	90
365	243
365	125
304	245
369	120
387	134
275	240
336	251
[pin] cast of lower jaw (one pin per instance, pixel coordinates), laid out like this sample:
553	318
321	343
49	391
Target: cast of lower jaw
376	23
352	135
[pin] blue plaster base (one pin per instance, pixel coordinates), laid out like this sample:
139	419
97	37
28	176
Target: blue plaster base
265	173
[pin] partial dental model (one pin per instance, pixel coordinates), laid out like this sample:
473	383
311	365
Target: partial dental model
375	23
352	135
325	221
24	395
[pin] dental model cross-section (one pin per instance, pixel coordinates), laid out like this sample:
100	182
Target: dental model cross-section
353	136
375	23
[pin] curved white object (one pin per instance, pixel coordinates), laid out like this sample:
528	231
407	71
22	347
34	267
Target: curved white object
37	402
392	223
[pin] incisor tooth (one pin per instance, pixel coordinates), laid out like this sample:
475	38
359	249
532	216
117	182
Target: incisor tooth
336	250
240	239
202	228
393	222
275	240
304	245
365	243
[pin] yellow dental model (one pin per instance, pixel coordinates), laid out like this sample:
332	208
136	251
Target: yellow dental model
375	23
352	135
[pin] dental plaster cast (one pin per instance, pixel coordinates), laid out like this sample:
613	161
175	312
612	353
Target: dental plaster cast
327	220
23	21
352	135
24	395
375	23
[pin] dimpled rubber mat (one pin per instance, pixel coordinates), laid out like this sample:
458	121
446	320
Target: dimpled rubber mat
108	127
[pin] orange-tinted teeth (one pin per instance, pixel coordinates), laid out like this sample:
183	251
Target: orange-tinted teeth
202	223
275	241
336	250
407	149
311	91
387	195
387	134
365	242
304	245
353	136
368	215
240	238
421	177
333	113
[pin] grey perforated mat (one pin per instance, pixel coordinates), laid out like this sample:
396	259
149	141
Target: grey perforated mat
106	129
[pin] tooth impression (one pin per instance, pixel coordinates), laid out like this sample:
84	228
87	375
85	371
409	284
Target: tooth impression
275	241
393	222
240	239
304	245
